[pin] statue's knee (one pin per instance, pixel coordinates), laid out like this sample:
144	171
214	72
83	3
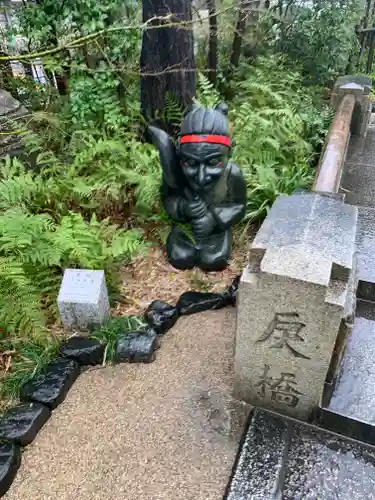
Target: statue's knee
212	263
216	254
181	252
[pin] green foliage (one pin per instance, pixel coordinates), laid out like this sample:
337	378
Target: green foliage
44	22
318	35
94	104
29	358
113	329
207	95
40	236
278	128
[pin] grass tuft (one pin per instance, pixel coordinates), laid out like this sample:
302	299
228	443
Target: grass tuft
113	329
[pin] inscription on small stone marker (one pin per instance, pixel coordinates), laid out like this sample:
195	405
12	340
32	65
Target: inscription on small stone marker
284	331
282	389
81	285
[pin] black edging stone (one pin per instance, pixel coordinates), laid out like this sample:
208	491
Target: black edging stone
84	350
10	460
152	333
137	347
50	388
196	302
230	293
161	316
22	423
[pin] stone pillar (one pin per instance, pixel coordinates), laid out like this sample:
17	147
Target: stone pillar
295	296
11	113
83	299
360	86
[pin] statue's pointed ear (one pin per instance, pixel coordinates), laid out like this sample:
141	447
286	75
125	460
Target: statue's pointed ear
223	108
168	155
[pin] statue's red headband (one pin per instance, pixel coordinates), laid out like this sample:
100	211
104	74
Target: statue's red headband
213	139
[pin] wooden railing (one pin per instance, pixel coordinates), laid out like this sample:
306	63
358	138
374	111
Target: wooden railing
332	160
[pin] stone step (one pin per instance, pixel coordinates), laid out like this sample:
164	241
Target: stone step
351	409
365	241
283	459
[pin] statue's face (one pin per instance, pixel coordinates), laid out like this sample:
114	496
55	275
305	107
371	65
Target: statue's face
203	164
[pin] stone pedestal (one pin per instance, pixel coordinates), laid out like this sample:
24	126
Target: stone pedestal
296	294
11	113
360	87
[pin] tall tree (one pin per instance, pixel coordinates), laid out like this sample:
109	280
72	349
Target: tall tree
238	34
212	41
167	56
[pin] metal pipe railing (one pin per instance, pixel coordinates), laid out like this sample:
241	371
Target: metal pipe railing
330	168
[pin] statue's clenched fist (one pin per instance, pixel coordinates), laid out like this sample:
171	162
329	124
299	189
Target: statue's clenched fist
203	226
195	209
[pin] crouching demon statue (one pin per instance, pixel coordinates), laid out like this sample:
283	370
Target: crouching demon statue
202	191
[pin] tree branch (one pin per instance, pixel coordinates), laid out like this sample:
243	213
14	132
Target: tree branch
74	44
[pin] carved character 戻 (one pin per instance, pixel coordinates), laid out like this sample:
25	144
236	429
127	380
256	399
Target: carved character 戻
201	188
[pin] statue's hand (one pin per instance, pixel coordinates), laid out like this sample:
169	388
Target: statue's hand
195	209
203	226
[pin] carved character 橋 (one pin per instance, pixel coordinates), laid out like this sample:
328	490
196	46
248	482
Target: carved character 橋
202	188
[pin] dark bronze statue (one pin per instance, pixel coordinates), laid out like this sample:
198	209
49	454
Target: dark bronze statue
201	189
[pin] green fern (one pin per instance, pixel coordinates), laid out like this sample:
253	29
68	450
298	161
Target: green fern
173	112
207	95
276	128
21	301
34	250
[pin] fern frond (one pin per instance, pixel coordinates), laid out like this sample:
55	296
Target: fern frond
207	95
20	300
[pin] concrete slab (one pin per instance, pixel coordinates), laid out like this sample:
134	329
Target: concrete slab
359	172
168	430
366	253
285	459
362	150
353	396
357	183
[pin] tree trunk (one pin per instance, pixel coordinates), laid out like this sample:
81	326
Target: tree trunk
167	57
364	36
371	50
238	36
212	42
62	78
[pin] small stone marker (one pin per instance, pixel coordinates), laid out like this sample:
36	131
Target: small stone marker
295	296
83	298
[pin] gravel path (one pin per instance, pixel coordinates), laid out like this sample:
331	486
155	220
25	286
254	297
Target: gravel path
167	431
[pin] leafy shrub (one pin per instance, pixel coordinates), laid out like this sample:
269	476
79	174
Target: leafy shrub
110	332
278	128
320	36
28	357
40	236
